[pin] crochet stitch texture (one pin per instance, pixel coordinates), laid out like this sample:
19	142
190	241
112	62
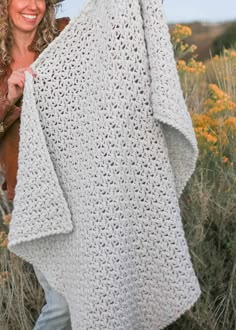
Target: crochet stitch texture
106	148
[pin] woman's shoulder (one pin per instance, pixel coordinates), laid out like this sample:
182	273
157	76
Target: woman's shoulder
62	22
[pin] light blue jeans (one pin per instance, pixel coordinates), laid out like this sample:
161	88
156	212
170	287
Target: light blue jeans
55	314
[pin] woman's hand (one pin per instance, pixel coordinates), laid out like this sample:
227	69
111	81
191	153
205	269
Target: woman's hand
16	83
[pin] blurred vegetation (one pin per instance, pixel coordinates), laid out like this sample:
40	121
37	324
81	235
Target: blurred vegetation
209	202
226	40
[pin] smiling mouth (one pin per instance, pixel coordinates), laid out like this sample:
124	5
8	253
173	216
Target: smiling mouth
29	17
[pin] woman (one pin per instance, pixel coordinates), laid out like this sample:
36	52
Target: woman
26	28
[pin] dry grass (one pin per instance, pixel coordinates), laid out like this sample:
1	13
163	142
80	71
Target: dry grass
21	297
209	209
222	71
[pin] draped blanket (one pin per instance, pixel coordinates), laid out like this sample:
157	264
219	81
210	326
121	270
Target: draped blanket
106	149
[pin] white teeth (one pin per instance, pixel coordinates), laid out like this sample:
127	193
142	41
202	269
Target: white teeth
29	16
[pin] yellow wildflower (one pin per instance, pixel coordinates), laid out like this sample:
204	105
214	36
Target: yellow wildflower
182	31
192	66
216	58
231	122
203	120
209	137
218	100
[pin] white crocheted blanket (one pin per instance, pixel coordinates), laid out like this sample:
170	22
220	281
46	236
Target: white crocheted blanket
106	148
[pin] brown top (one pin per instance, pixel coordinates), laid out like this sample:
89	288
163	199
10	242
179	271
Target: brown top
9	142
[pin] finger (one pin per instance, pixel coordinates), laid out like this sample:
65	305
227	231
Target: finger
21	85
18	74
16	79
20	82
18	109
21	72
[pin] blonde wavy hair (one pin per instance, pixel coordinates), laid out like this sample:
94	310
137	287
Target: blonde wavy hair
46	32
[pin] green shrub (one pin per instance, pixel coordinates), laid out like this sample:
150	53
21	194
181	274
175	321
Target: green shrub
226	40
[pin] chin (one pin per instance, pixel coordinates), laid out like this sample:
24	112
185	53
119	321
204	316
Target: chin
27	27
